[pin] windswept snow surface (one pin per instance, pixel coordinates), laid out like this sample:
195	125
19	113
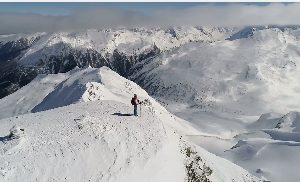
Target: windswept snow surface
95	138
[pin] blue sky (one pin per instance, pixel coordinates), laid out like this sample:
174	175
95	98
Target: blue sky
64	8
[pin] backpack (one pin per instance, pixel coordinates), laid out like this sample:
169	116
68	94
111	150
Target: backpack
132	101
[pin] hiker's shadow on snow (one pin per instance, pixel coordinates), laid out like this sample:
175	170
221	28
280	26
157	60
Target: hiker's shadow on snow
121	114
5	138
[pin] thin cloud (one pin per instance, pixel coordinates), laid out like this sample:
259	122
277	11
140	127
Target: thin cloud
212	15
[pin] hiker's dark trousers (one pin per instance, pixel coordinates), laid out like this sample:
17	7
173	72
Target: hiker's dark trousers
135	110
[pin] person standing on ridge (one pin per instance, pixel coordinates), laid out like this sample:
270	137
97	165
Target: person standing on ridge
135	101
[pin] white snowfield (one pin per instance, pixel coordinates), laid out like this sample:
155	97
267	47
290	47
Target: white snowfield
89	134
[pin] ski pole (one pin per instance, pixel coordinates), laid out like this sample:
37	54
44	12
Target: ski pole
140	109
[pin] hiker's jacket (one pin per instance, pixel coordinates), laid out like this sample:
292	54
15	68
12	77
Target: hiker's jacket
135	101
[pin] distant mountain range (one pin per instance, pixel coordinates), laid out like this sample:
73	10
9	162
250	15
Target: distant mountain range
23	56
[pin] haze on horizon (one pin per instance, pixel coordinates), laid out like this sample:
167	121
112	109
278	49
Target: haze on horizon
51	17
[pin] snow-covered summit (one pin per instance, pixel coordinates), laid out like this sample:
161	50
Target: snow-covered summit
79	85
96	138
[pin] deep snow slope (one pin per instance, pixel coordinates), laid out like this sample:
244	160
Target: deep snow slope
96	138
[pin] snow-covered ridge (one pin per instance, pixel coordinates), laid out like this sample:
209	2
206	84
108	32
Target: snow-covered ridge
15	37
94	141
99	140
79	85
249	31
129	41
